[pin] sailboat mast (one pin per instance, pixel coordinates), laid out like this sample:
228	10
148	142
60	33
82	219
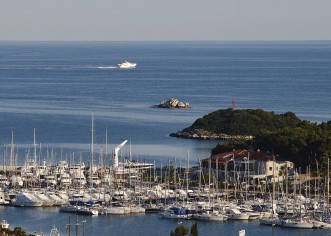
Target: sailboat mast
35	146
12	149
106	143
187	171
92	146
328	186
217	176
273	182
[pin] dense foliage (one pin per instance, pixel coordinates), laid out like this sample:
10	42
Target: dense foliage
181	230
302	142
17	231
245	122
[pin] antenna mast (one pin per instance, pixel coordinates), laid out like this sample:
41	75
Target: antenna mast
234	104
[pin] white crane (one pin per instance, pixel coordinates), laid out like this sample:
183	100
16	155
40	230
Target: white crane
115	153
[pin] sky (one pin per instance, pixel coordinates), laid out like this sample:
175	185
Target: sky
156	20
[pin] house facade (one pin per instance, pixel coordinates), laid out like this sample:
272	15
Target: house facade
247	165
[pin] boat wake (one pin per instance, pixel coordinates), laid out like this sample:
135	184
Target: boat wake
106	67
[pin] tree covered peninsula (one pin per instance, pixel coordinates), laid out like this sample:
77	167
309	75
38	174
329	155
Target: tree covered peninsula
300	141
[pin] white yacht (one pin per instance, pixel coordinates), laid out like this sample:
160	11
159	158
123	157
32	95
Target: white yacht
113	210
3	200
273	221
68	208
3	180
62	167
297	223
26	200
210	216
235	214
79	179
50	180
57	201
94	179
77	168
127	65
137	209
85	210
65	179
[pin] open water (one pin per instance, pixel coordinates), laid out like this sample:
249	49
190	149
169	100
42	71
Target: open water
56	86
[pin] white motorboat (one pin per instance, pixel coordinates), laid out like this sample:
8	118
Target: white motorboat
79	179
44	199
26	200
127	65
3	200
297	223
94	179
252	214
87	211
210	216
3	180
68	208
65	179
57	201
50	180
235	214
173	214
4	224
321	225
177	213
114	210
137	209
272	221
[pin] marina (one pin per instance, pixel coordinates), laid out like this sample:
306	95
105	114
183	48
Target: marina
135	189
56	161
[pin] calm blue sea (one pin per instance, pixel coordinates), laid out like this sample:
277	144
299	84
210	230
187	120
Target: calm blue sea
56	86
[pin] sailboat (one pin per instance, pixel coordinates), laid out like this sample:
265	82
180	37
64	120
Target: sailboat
273	219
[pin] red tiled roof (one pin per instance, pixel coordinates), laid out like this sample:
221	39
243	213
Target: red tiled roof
240	155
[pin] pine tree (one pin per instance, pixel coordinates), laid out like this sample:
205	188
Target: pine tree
194	230
181	230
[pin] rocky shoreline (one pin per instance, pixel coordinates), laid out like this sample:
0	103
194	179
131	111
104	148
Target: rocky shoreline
172	103
206	135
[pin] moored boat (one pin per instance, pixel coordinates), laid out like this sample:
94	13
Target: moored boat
297	223
210	216
235	214
26	200
87	211
271	221
177	213
4	224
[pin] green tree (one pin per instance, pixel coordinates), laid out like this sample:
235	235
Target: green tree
194	230
181	230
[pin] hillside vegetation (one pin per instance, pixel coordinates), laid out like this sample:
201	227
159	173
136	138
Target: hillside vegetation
300	141
245	122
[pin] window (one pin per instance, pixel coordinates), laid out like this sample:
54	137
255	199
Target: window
270	168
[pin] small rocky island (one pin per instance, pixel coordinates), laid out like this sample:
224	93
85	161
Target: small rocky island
172	103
